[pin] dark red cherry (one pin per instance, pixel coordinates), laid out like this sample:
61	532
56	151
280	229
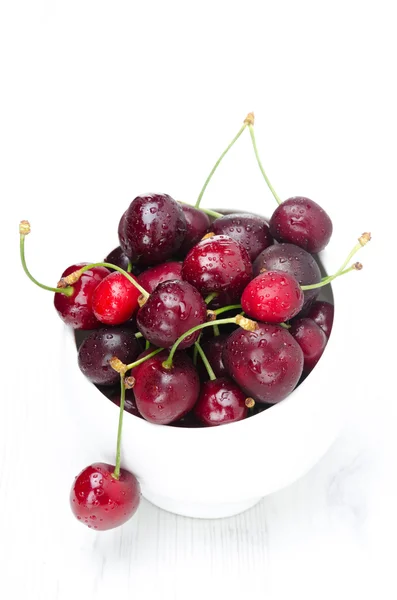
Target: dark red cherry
221	401
322	313
151	278
129	401
218	264
251	231
152	229
197	224
118	258
165	395
76	310
173	308
312	339
115	299
272	297
293	260
302	222
100	346
266	363
213	348
102	502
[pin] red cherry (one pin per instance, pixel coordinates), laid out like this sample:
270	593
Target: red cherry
218	264
165	395
272	297
251	231
76	310
151	278
302	222
312	339
115	299
221	401
197	223
102	502
322	313
266	363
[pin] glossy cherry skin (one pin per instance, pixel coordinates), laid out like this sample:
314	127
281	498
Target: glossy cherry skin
152	229
251	231
213	349
272	297
221	401
118	258
312	339
197	224
291	259
322	313
76	310
151	278
102	502
173	308
115	299
266	363
100	346
165	395
218	264
302	222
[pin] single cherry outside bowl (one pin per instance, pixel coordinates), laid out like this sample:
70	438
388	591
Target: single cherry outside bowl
183	470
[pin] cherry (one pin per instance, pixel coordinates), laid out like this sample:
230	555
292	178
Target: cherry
322	313
197	223
221	401
164	395
251	231
213	348
115	299
173	308
100	346
218	264
117	257
76	310
293	260
272	297
312	339
152	229
150	278
266	363
302	222
101	501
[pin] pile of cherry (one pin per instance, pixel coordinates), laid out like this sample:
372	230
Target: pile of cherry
196	319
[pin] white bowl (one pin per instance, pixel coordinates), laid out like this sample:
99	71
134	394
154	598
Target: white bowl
221	471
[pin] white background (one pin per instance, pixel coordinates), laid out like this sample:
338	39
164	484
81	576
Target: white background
101	101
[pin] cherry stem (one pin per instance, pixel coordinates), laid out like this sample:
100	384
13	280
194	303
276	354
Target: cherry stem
138	335
67	291
219	311
362	240
141	360
129	267
205	360
147	345
75	276
210	297
214	168
216	330
242	321
207	211
252	134
116	472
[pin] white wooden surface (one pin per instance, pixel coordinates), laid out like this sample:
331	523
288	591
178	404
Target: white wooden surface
101	101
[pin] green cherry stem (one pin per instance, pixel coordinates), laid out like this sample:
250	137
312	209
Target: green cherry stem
252	134
75	276
249	119
122	368
138	334
210	297
207	211
24	230
216	330
362	240
245	323
129	267
219	311
205	360
116	472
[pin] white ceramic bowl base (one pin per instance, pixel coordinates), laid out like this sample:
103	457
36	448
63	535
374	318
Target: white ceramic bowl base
221	471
